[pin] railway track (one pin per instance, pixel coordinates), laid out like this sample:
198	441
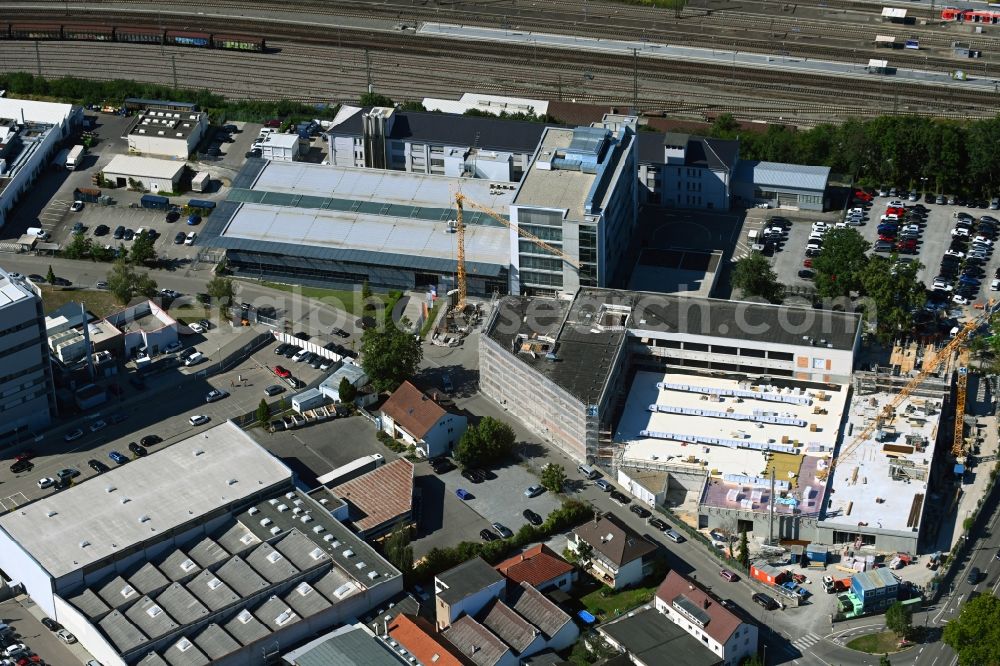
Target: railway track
809	97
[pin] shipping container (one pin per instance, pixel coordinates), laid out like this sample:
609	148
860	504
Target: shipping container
201	204
767	574
154	201
89	194
238	42
200	182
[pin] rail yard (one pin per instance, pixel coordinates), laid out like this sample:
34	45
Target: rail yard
378	43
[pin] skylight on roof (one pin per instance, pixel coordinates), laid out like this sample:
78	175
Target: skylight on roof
214	584
153	610
273	556
244	616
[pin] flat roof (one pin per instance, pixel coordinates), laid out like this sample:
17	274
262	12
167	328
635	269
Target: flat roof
875	63
366	233
52	113
346	646
166	124
884	484
144	167
554	188
893	12
164	491
11	290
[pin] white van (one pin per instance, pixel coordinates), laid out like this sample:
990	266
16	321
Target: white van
588	472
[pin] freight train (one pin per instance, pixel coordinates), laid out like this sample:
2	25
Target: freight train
130	35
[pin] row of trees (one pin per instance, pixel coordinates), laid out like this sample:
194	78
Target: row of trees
82	247
943	156
87	91
845	270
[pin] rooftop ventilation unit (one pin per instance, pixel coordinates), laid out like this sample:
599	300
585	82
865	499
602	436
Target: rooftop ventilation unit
143	518
125	500
282	508
348	553
153	610
319	529
247	539
84	543
306	519
276	530
197	452
253	511
372	575
188	565
290	495
273	556
265	522
110	489
127	591
50	513
303	589
244	616
214	584
316	553
183	645
360	565
285	617
344	590
232	482
272	501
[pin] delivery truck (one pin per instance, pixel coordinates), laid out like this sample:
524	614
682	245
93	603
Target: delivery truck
73	159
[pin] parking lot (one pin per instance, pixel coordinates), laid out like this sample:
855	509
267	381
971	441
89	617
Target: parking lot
933	240
25	618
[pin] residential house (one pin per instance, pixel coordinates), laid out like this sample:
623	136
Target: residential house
692	609
619	557
649	638
427	646
466	588
479	644
540	567
410	415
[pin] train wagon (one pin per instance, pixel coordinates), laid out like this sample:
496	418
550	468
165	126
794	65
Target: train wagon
89	33
4	30
238	43
200	39
139	35
35	31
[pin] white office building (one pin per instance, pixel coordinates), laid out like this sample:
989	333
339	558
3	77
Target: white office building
27	394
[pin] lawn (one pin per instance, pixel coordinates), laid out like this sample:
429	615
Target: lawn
344	299
606	608
100	303
189	312
884	642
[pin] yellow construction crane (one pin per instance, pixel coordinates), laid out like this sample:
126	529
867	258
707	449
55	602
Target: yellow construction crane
460	202
958	342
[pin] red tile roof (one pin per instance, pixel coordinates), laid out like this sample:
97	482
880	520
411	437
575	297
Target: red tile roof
537	565
412	411
723	621
428	646
394	498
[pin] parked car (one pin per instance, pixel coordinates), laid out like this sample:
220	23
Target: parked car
21	466
179	238
729	575
66	637
194	219
194	359
73	435
533	491
118	457
98	466
503	530
674	536
172	216
215	395
532	517
604	485
470	475
658	524
51	624
150	440
974	575
137	449
273	390
463	494
640	511
341	333
442	465
281	371
764	600
68	473
189	240
97	425
487	535
198	419
620	498
46	482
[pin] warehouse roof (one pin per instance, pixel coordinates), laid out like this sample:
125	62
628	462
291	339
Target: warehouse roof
144	167
778	175
349	645
31	110
369	511
106	515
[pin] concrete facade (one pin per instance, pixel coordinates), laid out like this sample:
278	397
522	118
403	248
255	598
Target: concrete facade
153	174
27	392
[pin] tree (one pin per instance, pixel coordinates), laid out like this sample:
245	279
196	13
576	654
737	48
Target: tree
50	277
263	411
390	355
975	633
840	263
346	390
398	550
553	477
375	99
220	289
142	250
899	619
79	247
125	283
884	660
895	293
583	554
744	556
754	276
487	442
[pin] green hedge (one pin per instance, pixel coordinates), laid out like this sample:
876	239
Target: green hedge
570	514
113	93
